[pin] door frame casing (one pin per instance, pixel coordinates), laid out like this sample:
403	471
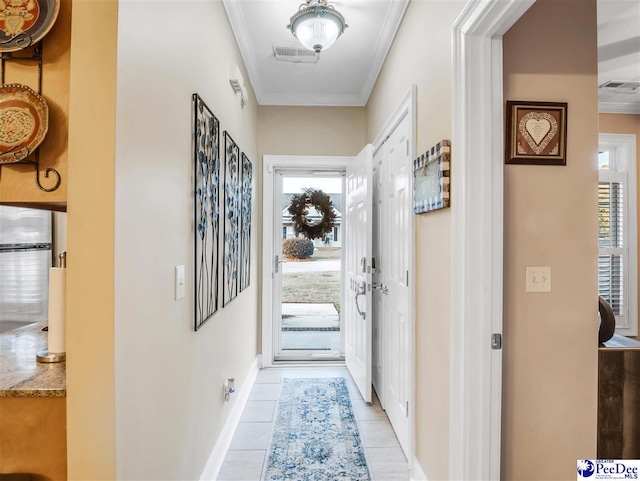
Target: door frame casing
477	236
272	163
627	144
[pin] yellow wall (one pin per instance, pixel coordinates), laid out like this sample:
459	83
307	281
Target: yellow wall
17	181
90	224
550	339
624	124
421	54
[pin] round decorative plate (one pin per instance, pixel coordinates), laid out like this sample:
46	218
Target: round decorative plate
24	120
25	22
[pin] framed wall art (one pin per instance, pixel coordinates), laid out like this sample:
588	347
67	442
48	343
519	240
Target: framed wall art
245	222
536	133
431	179
231	255
206	154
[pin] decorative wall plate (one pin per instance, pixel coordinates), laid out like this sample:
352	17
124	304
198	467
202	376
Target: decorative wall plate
25	22
24	120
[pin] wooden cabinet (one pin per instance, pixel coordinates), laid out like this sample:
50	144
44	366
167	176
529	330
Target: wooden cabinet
33	437
619	399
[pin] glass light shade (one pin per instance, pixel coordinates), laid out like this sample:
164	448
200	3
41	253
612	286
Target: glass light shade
317	27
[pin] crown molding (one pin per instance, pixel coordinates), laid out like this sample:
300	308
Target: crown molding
392	21
618	108
240	32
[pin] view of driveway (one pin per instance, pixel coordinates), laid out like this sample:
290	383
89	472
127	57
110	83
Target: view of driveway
311	302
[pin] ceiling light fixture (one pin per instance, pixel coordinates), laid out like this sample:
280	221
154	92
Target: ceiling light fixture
317	25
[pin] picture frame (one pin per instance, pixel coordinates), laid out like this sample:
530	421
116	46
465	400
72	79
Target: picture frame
246	204
206	189
536	133
432	179
231	220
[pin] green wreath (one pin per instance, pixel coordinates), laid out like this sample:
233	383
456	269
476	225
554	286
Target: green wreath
299	209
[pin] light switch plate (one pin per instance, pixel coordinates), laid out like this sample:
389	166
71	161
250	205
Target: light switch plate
538	279
179	281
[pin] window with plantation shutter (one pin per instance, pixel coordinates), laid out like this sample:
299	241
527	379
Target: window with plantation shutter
617	264
612	254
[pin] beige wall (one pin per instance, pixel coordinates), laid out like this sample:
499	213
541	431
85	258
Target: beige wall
169	403
624	124
326	131
422	55
311	130
550	339
90	337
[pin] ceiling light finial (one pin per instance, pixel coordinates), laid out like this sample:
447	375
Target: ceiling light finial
317	25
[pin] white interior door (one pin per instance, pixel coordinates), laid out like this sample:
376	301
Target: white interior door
357	254
379	231
392	274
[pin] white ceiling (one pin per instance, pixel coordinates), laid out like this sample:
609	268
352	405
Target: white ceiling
346	73
619	53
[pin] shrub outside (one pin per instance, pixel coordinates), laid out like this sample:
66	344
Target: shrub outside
297	248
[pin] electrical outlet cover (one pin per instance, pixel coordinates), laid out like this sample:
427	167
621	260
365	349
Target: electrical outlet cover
179	282
538	279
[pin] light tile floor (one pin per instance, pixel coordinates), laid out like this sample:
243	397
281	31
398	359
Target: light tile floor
249	447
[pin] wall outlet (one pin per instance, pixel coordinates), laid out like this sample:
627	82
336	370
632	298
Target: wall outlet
179	282
538	279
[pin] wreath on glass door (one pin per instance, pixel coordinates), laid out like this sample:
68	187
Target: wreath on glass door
312	227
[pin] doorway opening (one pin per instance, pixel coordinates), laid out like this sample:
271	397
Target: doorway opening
307	294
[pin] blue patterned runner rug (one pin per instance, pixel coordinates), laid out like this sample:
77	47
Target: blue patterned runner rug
315	435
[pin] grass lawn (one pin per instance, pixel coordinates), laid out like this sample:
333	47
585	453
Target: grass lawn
311	287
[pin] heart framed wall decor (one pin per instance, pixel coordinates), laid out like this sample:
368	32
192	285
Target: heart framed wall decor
536	133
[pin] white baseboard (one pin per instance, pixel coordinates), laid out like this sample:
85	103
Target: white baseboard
416	471
216	458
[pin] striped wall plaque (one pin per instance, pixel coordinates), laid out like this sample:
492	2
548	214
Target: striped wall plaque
431	179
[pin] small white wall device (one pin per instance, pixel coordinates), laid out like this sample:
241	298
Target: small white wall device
237	82
229	388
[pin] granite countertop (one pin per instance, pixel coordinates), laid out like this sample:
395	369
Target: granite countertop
20	374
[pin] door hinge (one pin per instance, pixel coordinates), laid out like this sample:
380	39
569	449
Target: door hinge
407	278
407	409
496	341
407	147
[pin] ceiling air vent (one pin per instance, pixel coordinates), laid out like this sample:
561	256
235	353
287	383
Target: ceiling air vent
620	87
295	55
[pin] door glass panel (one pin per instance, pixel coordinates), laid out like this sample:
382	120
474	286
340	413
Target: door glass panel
311	274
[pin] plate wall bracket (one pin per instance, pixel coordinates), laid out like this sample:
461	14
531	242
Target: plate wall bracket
30	53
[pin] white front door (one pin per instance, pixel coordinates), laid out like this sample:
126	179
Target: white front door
392	298
357	264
